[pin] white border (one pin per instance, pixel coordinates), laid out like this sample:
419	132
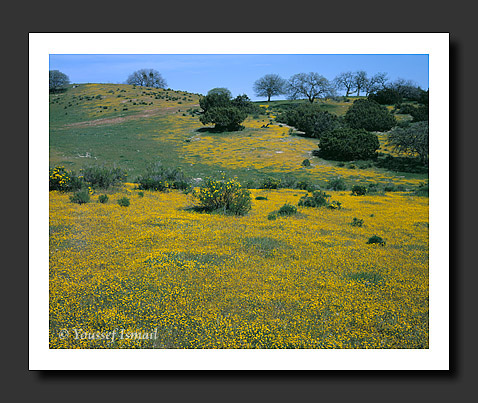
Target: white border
434	44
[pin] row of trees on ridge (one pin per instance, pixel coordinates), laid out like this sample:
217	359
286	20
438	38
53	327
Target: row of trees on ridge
313	86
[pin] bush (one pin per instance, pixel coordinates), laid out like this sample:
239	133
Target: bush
373	188
272	216
411	139
123	202
103	177
64	181
407	109
228	197
337	184
102	198
376	240
160	178
420	114
387	96
287	209
358	190
305	185
306	163
422	190
348	144
369	115
270	183
357	222
81	197
310	119
334	205
318	199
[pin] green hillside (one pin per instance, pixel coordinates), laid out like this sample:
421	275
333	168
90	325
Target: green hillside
130	127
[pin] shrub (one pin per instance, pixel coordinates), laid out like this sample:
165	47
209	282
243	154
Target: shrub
387	96
261	198
270	183
318	199
305	185
306	163
272	216
337	184
102	198
288	182
103	177
160	178
373	188
390	187
420	114
359	190
369	115
348	144
141	194
310	119
376	240
123	202
357	222
228	197
411	139
287	209
334	205
82	196
63	180
407	109
422	190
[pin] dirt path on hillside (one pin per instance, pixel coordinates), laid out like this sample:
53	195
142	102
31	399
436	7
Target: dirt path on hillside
147	113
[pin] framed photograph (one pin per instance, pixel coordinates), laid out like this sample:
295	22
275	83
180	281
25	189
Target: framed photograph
239	201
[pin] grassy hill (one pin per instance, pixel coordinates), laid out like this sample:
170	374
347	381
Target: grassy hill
130	127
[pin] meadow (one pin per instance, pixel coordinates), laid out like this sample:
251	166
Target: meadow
200	280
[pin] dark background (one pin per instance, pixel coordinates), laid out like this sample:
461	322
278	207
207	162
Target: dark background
245	16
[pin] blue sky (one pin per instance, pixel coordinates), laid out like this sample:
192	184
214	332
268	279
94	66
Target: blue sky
198	73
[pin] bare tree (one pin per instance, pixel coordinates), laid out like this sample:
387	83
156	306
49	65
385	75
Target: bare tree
147	78
406	88
270	85
345	81
360	81
376	83
310	85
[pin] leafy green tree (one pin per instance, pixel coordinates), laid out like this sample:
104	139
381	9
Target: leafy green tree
348	144
220	91
147	78
369	115
270	85
58	81
225	113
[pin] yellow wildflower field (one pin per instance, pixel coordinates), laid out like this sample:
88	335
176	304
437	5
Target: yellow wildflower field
185	279
273	150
